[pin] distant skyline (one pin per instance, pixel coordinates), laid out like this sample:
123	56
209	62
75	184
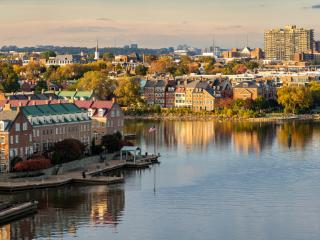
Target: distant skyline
150	23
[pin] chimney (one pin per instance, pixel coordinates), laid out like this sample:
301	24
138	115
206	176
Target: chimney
29	97
50	98
114	100
94	99
42	91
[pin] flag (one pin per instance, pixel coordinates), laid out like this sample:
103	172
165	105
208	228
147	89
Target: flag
152	129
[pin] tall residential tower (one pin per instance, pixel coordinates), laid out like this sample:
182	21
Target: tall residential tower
282	44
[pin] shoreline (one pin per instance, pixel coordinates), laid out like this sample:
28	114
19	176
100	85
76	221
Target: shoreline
282	117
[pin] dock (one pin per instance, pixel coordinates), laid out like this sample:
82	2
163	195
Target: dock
93	176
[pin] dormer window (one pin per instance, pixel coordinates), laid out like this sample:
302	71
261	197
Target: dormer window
101	112
90	112
2	126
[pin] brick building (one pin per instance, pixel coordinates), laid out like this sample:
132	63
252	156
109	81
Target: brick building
107	117
55	122
15	137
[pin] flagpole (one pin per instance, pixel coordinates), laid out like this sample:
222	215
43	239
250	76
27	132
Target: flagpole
154	142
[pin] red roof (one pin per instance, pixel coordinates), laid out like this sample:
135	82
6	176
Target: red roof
83	104
102	104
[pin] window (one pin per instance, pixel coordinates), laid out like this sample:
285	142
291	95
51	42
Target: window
30	137
1	126
38	133
17	139
17	127
2	154
2	140
25	126
11	139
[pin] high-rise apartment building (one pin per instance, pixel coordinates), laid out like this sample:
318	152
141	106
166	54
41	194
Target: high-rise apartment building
282	44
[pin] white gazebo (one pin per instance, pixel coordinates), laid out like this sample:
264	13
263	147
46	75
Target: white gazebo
125	150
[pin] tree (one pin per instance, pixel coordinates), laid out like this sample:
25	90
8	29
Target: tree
141	70
99	82
9	78
252	65
67	150
163	65
128	91
112	142
41	85
48	54
108	56
315	92
294	98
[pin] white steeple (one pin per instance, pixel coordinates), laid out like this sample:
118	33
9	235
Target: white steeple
96	53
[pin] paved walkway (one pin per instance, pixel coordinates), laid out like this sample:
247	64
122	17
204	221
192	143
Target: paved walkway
19	184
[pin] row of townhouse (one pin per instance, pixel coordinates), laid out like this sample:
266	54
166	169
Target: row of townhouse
28	127
195	94
204	94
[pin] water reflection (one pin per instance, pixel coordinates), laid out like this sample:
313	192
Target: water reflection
244	137
200	185
62	211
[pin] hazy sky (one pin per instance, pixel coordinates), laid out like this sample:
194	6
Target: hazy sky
150	23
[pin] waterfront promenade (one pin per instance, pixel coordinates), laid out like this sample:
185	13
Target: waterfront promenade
94	176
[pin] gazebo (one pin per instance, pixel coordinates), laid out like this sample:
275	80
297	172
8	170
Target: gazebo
125	150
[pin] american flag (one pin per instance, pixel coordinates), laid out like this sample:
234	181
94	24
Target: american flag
152	129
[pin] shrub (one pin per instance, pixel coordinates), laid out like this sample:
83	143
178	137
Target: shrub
33	164
67	150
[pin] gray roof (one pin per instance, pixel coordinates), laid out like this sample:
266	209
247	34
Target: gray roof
8	116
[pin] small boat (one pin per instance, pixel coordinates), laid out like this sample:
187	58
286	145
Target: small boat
10	212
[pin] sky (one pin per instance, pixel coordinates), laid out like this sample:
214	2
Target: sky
150	23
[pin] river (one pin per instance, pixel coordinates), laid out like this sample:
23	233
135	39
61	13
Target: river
216	180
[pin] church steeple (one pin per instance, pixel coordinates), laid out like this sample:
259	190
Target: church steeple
97	54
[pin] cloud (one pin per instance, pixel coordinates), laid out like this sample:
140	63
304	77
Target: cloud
317	6
230	27
89	29
105	19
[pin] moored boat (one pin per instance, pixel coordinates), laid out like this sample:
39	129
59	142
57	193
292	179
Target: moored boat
10	212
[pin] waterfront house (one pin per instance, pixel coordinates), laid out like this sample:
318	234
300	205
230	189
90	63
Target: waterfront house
203	97
149	91
107	117
180	96
55	122
15	137
170	94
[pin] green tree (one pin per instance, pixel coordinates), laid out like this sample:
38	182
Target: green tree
108	56
141	70
112	142
48	54
128	91
99	82
294	99
41	85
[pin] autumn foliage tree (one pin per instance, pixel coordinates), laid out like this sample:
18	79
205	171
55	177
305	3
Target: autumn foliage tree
99	82
128	91
294	99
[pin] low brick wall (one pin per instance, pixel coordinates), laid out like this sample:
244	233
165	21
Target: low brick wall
65	167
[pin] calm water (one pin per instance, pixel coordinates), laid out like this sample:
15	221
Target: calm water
215	181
